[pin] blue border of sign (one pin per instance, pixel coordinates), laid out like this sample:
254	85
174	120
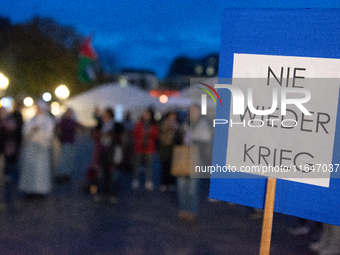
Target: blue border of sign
286	32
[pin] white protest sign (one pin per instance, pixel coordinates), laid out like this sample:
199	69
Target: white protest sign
273	140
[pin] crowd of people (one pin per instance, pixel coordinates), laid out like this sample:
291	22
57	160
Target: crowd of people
26	159
133	146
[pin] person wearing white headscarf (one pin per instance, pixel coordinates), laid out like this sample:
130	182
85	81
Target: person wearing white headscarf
36	175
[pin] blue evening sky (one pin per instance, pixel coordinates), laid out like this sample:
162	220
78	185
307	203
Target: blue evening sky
145	34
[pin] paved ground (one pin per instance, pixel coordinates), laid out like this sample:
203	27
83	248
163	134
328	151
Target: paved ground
69	222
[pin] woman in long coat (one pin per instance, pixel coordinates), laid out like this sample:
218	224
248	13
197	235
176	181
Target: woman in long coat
36	176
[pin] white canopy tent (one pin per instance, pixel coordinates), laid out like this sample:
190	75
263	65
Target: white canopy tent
175	103
113	95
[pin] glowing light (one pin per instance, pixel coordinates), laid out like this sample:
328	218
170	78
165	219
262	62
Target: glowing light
3	82
55	105
163	99
55	111
153	93
29	112
119	113
210	71
6	102
62	92
158	116
123	81
28	101
198	70
55	108
47	97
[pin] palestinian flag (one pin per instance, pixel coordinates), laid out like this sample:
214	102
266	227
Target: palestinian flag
87	55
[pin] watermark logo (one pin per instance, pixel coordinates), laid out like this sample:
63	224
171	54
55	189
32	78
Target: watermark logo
204	98
238	100
272	101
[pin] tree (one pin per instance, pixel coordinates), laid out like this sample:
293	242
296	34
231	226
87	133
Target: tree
38	56
182	66
66	37
36	64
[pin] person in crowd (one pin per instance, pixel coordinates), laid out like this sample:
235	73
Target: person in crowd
98	118
127	143
12	144
127	122
17	116
66	131
92	174
110	138
195	131
36	177
3	127
167	131
14	124
145	134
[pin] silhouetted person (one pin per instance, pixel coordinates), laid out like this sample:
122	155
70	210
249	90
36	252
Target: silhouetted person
66	130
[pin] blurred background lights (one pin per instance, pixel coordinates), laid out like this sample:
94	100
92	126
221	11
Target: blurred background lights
158	116
47	97
119	113
28	101
55	108
198	70
6	102
55	111
210	71
163	99
3	82
62	92
123	81
55	105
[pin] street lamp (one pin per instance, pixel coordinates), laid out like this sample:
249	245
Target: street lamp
163	99
47	97
62	92
28	101
55	108
3	82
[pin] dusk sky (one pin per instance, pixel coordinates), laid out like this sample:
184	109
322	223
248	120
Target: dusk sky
144	34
